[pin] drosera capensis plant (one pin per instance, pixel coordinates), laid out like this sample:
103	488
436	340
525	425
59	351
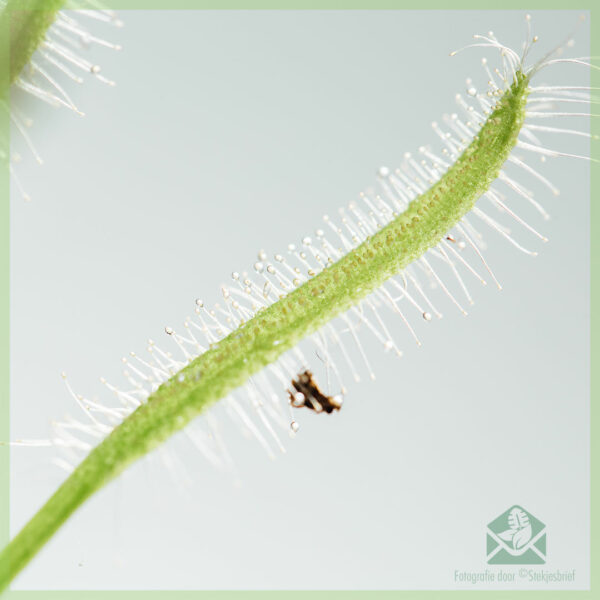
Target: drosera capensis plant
420	228
46	47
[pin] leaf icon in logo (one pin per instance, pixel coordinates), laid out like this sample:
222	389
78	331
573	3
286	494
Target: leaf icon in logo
507	535
517	518
520	528
521	537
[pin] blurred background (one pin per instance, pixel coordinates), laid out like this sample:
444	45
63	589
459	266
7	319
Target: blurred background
232	131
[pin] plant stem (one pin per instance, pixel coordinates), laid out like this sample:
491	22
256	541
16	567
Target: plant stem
282	325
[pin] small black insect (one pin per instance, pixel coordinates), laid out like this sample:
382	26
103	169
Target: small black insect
308	394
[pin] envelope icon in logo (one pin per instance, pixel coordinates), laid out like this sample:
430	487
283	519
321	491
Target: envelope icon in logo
516	537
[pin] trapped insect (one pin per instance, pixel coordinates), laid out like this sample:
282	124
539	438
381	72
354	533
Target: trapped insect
308	394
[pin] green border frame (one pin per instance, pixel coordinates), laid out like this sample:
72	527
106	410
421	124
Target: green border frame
594	10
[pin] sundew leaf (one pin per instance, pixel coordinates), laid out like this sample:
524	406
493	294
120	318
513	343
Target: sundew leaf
381	247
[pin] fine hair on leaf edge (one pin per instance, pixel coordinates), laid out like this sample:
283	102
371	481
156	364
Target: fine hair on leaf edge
47	45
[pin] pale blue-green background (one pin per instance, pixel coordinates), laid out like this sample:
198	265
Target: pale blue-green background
232	131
